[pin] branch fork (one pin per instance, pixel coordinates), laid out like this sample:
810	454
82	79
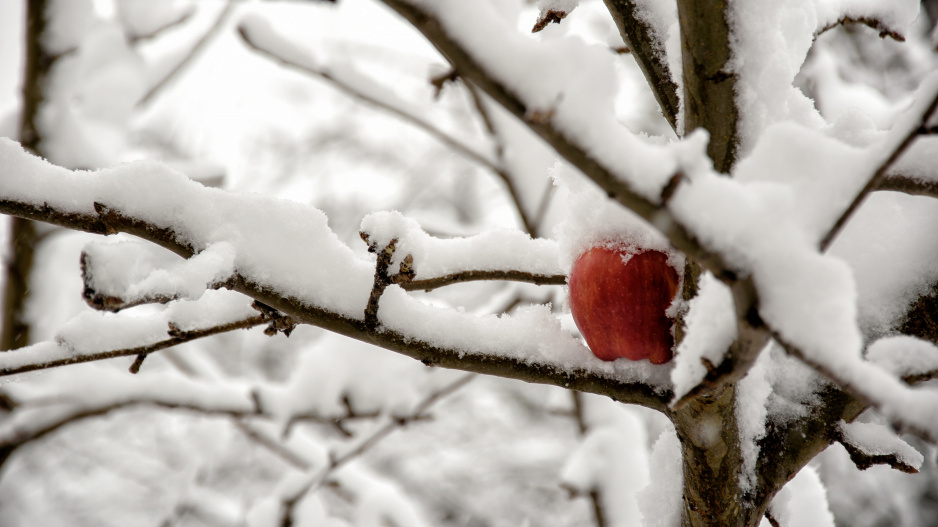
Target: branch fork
383	278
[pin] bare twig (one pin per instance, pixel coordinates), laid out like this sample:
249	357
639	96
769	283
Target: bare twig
529	226
393	424
349	89
640	390
428	284
178	21
173	340
599	513
190	56
876	180
872	23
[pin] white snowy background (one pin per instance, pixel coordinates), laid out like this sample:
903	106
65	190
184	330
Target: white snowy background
182	446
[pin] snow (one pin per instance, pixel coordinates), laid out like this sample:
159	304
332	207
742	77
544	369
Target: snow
491	250
568	82
531	335
67	23
591	219
752	395
134	271
903	355
301	257
661	501
612	460
93	332
710	325
876	440
821	174
803	502
563	6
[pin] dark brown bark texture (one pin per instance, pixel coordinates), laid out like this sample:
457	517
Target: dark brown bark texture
23	234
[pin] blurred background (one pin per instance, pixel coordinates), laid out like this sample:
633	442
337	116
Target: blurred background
358	435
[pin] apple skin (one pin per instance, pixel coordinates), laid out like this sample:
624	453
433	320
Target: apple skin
620	307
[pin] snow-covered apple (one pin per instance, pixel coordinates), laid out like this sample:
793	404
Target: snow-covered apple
620	297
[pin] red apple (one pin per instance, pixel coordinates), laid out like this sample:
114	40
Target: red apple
619	300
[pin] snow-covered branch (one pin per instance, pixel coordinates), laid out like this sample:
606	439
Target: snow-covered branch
287	258
871	444
906	132
645	36
913	186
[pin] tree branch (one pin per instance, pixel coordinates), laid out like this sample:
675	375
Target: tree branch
428	284
190	56
864	457
908	185
348	87
648	49
15	362
873	23
877	178
638	390
530	226
178	21
579	155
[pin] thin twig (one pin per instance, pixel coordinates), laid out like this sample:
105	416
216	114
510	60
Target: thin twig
393	424
136	39
599	513
428	284
349	89
876	180
501	172
173	340
193	53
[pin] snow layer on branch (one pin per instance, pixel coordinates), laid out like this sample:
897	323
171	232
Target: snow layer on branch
821	173
532	335
808	297
919	160
662	18
133	271
904	355
769	42
563	6
279	244
710	329
660	502
802	502
492	250
877	440
591	219
568	83
93	331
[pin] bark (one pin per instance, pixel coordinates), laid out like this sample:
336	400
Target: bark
648	50
709	85
23	235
